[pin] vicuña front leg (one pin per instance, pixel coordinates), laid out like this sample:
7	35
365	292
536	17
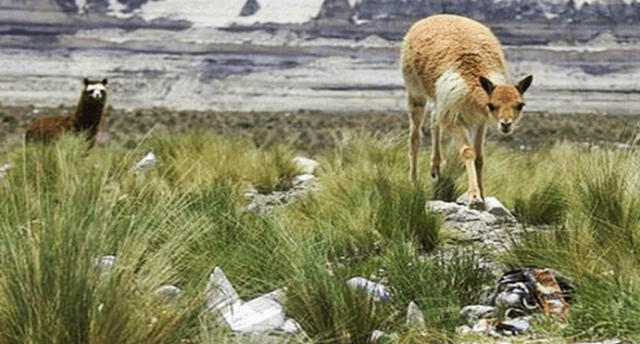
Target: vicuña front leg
416	114
468	155
478	146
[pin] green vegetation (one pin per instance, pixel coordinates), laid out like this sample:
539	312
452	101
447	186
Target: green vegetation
62	209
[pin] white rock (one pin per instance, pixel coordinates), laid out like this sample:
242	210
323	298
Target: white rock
145	162
377	291
495	208
382	337
221	295
482	326
464	329
260	315
306	165
4	169
415	317
303	179
105	264
168	293
290	326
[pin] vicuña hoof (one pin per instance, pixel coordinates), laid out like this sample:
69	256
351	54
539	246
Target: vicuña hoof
476	202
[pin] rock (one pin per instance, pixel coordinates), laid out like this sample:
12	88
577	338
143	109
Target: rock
263	314
463	330
378	336
105	264
304	179
168	293
146	162
515	326
306	165
472	314
495	208
4	169
482	326
377	291
415	317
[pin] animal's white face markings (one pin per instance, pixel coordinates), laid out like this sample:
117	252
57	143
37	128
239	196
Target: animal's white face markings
96	91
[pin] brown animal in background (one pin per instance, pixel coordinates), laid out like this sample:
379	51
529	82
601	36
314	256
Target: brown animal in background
86	120
457	66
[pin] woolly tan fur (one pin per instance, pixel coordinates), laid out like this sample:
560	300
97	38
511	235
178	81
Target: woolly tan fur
456	66
86	119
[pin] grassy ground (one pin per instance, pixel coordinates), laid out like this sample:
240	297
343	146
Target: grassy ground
62	208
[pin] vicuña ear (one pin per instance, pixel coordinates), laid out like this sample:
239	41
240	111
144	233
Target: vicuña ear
524	84
86	81
105	81
486	84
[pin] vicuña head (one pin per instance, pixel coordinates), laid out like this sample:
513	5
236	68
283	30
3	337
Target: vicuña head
505	102
95	90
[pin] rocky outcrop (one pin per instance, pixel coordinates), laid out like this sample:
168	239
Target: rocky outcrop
493	229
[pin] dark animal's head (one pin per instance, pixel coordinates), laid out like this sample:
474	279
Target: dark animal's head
505	102
95	90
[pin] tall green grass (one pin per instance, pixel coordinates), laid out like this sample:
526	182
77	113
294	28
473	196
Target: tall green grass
63	207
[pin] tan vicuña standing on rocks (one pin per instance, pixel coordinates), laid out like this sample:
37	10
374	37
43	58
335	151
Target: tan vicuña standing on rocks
456	66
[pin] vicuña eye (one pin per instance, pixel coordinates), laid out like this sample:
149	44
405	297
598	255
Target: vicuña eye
520	106
491	107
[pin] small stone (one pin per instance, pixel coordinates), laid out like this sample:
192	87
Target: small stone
148	160
105	264
415	317
304	179
306	165
377	291
168	293
482	326
378	336
464	329
515	326
495	208
4	169
472	314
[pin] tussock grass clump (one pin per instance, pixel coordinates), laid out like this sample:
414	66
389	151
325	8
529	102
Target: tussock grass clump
543	207
63	207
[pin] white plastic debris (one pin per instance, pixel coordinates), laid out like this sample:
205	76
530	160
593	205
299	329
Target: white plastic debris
148	160
415	317
168	293
379	292
260	315
306	165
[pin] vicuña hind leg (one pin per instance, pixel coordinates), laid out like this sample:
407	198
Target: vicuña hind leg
436	155
468	155
416	114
